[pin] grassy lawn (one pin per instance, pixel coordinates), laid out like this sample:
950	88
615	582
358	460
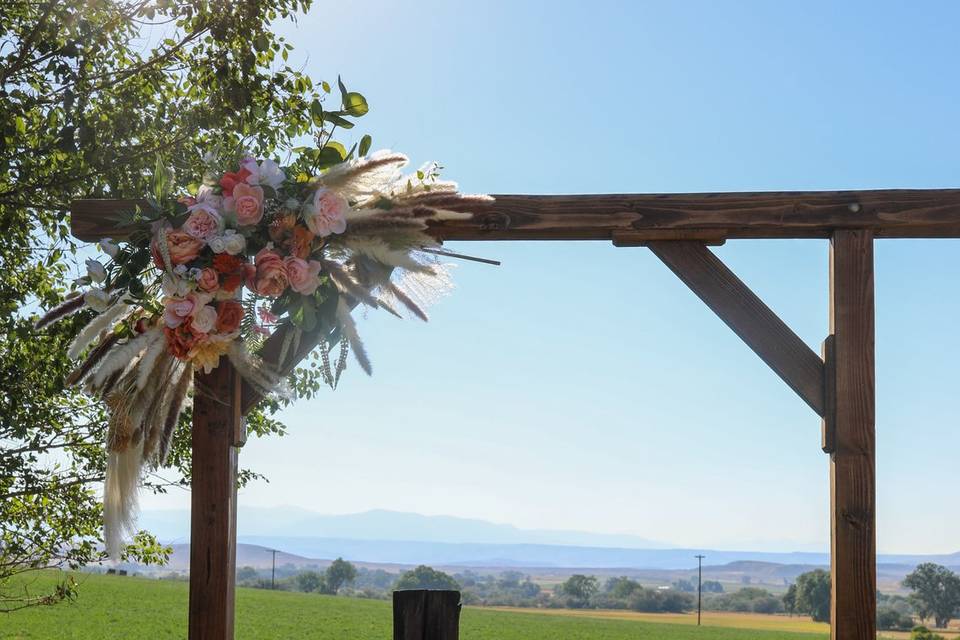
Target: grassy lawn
126	608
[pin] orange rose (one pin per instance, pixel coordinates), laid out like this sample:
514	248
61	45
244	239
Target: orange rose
302	243
280	228
182	246
181	340
229	315
270	278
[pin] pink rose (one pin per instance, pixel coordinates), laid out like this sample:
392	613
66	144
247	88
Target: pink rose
247	201
303	276
328	214
204	222
270	278
176	310
208	280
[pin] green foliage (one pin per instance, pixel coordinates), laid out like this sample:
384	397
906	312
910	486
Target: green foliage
339	574
889	619
936	592
922	633
87	110
424	577
790	599
711	586
747	599
813	594
310	581
130	608
579	589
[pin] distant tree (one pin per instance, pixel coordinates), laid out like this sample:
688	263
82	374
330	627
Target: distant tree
661	601
712	586
621	588
579	589
684	585
339	574
790	599
247	574
813	594
309	581
936	592
922	633
889	619
424	577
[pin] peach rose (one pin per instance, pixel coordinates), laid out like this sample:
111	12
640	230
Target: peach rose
208	280
248	204
301	245
270	278
181	340
280	228
302	275
182	246
327	214
229	316
204	222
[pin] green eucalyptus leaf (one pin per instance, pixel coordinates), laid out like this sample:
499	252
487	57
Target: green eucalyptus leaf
365	143
355	104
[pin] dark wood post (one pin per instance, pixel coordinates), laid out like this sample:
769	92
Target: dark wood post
217	432
426	615
853	604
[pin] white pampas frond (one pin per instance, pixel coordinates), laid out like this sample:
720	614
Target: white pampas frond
417	290
365	178
95	327
155	348
254	370
120	497
381	252
121	357
349	329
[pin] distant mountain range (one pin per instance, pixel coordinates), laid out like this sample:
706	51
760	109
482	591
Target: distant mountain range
173	526
389	537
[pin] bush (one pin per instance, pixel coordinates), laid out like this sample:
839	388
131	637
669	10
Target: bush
889	619
922	633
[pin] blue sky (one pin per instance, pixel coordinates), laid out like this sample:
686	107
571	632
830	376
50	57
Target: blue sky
582	386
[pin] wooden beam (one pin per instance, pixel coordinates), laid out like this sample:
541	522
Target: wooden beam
745	313
217	431
853	560
426	615
916	213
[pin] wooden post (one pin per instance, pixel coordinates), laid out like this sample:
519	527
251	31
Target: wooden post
426	615
217	432
853	603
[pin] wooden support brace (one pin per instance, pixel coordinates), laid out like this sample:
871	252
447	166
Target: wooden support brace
745	313
426	615
217	432
853	561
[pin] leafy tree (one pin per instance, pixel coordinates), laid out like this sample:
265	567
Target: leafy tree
813	594
339	574
790	599
711	586
684	585
310	581
424	577
936	592
621	588
86	110
890	619
579	588
657	601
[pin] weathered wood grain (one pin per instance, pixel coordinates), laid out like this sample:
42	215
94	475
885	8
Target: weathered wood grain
426	615
213	511
904	213
745	313
853	461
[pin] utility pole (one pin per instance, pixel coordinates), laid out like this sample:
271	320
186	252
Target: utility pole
273	568
699	584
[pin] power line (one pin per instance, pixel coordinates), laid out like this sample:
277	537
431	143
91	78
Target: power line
699	558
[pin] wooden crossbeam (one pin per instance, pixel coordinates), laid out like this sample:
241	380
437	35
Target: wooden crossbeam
745	313
905	213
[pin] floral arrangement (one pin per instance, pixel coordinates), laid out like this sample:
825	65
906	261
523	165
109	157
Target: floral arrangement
209	274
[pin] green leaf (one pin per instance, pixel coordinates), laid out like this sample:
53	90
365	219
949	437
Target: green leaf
332	154
261	43
337	119
365	143
325	86
343	88
355	104
316	110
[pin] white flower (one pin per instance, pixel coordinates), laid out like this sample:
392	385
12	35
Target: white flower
206	196
96	271
180	270
175	287
267	173
217	244
234	242
109	247
204	319
97	299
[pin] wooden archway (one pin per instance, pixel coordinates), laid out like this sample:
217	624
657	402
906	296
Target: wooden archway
838	385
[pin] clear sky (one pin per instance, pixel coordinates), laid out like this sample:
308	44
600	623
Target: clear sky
582	386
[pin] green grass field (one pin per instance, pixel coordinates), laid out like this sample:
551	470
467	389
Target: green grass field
132	608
